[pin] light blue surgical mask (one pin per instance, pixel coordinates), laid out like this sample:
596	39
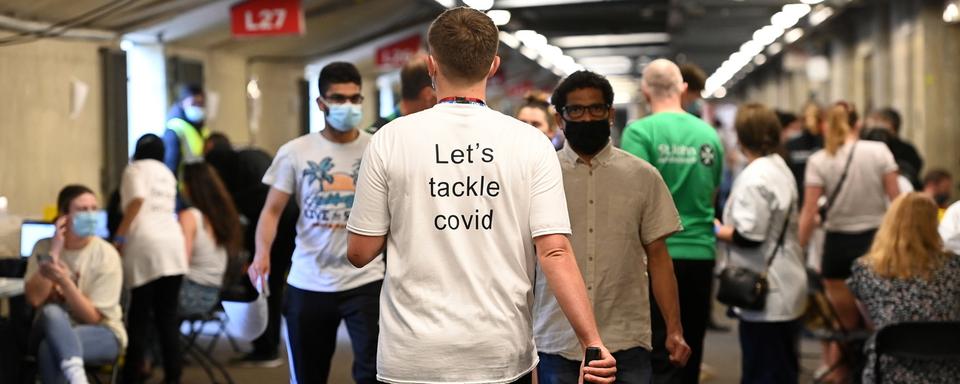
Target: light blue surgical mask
87	223
344	117
194	113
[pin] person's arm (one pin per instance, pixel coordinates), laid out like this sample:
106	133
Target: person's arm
362	249
890	185
663	281
81	308
808	214
563	276
189	226
129	214
266	233
171	150
38	287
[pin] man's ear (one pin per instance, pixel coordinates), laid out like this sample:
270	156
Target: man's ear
613	113
560	123
321	105
431	67
494	66
683	88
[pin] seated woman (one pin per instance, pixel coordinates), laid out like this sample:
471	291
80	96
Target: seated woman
211	231
75	280
907	277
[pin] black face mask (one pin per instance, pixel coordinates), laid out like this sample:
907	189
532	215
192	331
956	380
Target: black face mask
587	137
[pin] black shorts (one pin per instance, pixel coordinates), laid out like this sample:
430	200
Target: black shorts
841	249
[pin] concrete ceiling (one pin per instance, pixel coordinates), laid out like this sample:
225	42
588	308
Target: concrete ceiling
702	31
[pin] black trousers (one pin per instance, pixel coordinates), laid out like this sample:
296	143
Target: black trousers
312	320
694	283
154	304
770	352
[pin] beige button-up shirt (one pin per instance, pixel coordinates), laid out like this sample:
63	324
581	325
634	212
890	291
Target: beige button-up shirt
617	204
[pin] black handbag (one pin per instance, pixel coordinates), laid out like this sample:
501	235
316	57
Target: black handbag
824	209
745	288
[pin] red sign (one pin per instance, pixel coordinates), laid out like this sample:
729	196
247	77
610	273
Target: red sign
396	54
266	18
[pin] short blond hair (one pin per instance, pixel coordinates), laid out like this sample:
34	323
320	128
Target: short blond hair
907	245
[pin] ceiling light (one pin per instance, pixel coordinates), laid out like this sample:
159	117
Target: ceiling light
499	16
509	39
774	49
447	3
481	5
126	45
820	14
811	2
767	35
759	59
608	65
607	40
951	13
531	39
793	35
539	3
720	93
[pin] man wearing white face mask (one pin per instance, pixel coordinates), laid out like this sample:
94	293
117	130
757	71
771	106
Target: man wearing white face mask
323	288
186	128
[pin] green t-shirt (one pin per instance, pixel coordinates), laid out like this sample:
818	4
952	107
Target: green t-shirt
688	153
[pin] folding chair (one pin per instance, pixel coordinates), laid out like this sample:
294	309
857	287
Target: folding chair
822	323
918	340
204	357
113	368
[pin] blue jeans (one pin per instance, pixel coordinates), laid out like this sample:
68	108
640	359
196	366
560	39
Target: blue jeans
633	367
95	344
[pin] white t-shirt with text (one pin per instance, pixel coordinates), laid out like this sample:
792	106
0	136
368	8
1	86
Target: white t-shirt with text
460	191
321	175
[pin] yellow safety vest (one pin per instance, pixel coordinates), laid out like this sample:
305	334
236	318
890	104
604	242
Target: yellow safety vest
191	142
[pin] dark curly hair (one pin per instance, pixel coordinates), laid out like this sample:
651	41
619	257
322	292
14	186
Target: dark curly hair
581	80
338	73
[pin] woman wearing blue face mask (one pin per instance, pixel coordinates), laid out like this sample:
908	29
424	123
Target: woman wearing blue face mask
74	280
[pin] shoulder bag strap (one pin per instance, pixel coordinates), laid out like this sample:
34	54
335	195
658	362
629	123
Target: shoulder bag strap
843	177
783	234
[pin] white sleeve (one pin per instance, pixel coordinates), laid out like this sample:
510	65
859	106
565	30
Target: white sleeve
132	185
950	228
370	215
751	212
282	173
548	203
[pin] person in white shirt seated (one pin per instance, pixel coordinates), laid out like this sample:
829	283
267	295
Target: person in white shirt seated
211	233
75	280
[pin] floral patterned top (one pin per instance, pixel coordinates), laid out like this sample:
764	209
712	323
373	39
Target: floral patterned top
890	301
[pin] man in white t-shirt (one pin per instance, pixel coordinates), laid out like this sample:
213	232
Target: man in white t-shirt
465	200
322	287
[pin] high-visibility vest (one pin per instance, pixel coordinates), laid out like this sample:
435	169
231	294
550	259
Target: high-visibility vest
191	140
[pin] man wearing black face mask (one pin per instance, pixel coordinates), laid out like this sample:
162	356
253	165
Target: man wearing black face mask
611	238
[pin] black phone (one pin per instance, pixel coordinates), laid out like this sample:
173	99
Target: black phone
593	353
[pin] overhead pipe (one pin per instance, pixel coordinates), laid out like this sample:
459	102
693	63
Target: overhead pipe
20	26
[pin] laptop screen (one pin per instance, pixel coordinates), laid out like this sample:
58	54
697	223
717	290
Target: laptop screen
33	231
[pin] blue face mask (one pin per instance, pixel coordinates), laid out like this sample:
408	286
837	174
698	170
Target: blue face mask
86	224
344	117
194	113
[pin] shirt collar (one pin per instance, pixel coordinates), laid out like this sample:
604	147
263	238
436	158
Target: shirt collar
601	158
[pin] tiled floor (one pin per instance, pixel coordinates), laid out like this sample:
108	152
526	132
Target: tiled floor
722	357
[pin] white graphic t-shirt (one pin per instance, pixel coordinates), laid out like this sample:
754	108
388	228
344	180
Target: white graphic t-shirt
460	191
321	175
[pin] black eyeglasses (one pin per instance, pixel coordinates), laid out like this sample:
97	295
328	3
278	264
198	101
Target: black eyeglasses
577	111
337	98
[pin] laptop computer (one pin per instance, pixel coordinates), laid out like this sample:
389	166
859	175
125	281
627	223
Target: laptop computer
33	231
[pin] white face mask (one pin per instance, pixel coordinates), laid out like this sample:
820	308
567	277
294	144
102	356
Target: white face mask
344	117
194	113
